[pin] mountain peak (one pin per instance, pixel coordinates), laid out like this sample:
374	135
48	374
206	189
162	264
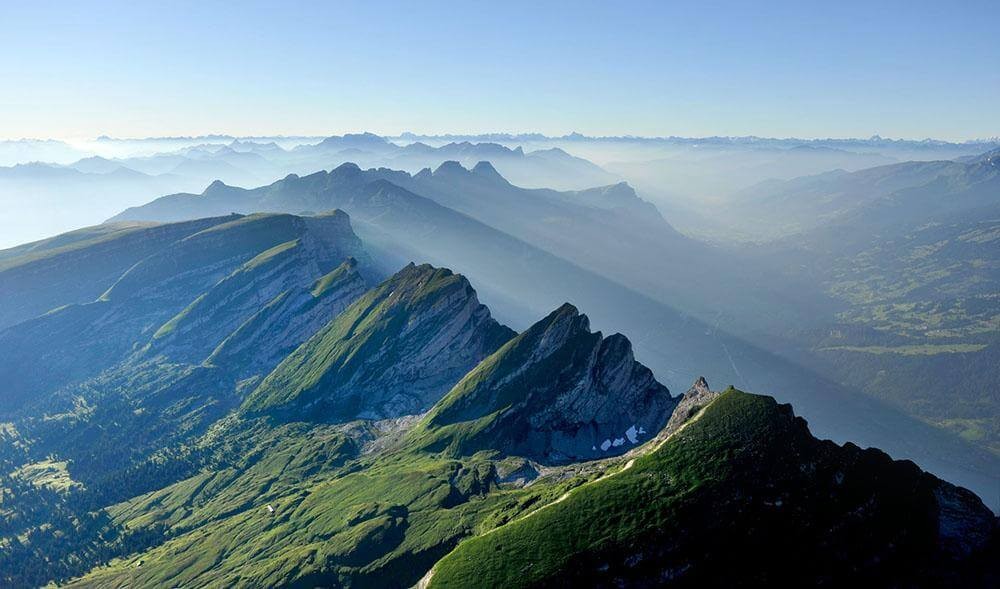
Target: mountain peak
618	193
486	170
567	314
556	392
215	186
346	168
93	159
355	141
393	352
450	167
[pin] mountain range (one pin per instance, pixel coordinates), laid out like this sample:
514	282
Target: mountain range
669	308
259	400
313	382
684	177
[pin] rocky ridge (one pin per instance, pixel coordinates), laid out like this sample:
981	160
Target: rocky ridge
393	352
556	392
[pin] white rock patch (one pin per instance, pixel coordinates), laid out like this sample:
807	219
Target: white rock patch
632	434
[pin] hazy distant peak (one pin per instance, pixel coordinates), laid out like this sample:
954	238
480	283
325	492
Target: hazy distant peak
990	157
450	167
816	148
95	165
551	151
368	136
95	159
122	172
383	188
481	149
383	184
620	194
346	169
453	170
238	145
622	188
215	187
356	141
486	170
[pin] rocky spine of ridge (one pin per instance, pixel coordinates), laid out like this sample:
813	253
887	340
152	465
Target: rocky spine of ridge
556	392
324	242
691	402
393	352
284	323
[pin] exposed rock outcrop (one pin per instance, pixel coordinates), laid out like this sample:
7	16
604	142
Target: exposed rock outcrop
280	326
316	251
556	392
691	402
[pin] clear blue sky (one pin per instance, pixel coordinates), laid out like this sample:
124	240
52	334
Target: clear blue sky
901	69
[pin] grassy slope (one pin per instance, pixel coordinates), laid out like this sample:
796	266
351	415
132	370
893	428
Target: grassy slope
72	240
78	267
128	431
739	485
363	521
729	489
462	422
240	239
376	325
340	284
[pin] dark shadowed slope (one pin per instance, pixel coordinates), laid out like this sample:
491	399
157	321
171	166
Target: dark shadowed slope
742	496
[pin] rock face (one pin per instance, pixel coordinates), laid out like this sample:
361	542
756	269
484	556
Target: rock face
394	352
691	402
284	323
192	335
556	392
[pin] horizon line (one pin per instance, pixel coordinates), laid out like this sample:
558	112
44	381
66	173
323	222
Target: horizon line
510	135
